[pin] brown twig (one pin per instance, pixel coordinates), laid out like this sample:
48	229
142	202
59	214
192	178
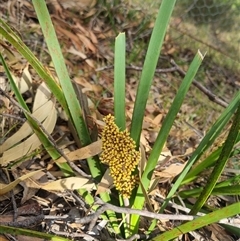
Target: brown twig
206	91
30	221
175	67
167	70
107	206
13	116
51	140
137	68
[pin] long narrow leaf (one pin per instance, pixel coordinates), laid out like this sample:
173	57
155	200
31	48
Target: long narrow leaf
149	66
163	134
204	144
76	114
208	162
200	222
61	69
12	38
119	81
13	85
220	164
224	190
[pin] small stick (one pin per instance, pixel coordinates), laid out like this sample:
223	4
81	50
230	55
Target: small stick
206	91
13	116
137	68
175	67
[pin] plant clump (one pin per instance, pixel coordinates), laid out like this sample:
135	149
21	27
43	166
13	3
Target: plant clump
119	152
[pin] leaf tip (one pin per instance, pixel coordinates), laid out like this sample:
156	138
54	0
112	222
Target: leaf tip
201	55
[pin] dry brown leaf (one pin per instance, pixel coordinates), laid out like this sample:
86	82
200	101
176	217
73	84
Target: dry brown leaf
30	185
12	153
69	34
218	233
42	96
143	160
4	85
3	238
153	184
7	52
105	184
69	183
77	5
158	119
165	153
41	110
81	55
144	141
85	152
24	83
7	196
87	86
5	188
172	171
87	42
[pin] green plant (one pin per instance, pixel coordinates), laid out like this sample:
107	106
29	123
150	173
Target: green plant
128	196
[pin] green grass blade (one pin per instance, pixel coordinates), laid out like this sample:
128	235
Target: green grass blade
200	222
220	164
230	181
204	144
232	229
13	39
163	134
149	66
224	190
119	81
61	70
14	86
69	93
208	162
76	114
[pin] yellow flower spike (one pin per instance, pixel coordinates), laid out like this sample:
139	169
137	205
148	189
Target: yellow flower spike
118	151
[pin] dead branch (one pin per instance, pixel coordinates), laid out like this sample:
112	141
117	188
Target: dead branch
137	68
182	73
206	91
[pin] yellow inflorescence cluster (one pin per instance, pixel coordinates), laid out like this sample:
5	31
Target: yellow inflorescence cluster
118	151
